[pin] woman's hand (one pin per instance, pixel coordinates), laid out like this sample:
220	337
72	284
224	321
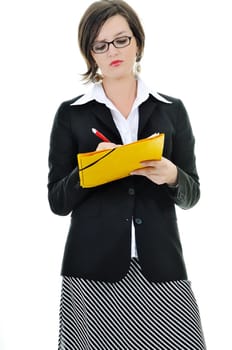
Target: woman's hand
106	145
158	171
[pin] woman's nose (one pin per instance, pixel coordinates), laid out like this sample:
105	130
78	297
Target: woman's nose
112	49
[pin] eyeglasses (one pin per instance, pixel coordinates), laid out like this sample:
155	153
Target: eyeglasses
103	46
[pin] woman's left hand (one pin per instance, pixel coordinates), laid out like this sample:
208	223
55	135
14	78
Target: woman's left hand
159	171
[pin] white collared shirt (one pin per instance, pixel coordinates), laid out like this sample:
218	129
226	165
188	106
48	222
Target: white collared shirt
128	128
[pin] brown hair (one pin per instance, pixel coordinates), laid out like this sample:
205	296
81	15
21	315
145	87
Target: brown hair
92	21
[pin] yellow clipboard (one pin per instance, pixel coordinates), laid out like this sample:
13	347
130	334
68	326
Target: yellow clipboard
100	167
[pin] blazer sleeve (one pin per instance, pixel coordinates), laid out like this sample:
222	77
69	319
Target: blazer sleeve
64	191
187	192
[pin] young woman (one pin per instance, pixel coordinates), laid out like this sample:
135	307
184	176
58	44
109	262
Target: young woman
125	285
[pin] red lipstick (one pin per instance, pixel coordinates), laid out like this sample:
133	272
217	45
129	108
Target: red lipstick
116	63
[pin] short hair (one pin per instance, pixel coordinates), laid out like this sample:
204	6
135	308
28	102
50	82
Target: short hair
91	23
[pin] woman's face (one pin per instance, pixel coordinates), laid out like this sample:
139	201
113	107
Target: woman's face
116	63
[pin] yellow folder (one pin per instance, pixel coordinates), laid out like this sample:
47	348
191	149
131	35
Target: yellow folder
99	167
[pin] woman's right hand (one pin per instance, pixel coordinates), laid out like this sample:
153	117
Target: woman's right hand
106	145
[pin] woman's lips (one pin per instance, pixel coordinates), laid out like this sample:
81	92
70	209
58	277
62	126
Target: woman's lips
116	63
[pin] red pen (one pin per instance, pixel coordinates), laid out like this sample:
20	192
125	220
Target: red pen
100	135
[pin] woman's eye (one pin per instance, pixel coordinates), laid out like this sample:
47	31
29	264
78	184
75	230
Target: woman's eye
121	41
100	46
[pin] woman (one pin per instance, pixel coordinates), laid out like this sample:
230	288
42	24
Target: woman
125	284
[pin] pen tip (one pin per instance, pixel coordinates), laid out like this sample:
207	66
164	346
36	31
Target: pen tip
94	130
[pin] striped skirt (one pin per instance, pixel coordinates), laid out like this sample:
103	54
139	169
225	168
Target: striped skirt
132	314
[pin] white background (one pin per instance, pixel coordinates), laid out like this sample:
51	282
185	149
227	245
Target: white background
188	55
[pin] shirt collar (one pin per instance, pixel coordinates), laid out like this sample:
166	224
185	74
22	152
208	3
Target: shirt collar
97	93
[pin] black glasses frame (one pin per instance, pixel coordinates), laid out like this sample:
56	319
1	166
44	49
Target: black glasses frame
113	42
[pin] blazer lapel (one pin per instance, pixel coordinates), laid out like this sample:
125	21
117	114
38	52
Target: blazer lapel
105	118
146	109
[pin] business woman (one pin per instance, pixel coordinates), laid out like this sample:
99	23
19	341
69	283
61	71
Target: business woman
125	284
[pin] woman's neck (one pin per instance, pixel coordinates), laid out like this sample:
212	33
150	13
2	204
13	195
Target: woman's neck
122	93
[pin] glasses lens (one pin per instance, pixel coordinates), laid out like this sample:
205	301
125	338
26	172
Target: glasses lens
100	47
122	42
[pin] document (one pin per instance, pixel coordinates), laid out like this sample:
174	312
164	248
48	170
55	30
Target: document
100	167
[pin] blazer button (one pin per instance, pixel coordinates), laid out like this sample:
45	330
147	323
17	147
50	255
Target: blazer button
131	191
138	221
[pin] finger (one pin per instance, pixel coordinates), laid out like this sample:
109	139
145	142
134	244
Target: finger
148	171
137	172
150	163
105	145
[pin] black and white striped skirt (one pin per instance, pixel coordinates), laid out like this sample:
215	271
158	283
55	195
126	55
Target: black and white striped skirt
132	314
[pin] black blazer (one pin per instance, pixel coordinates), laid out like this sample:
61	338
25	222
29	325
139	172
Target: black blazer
98	245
